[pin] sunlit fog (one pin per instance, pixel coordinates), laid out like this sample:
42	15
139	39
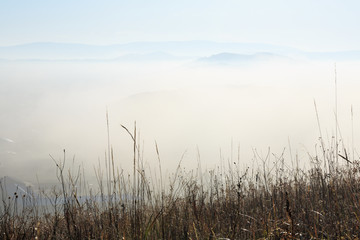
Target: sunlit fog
215	113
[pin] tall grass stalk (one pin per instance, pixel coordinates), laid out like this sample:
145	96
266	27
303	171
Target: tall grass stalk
273	200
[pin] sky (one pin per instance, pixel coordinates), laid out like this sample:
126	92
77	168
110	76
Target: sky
322	25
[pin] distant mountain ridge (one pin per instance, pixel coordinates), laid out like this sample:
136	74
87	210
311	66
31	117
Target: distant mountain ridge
239	58
194	49
163	51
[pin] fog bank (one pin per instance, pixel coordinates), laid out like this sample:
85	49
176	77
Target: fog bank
185	106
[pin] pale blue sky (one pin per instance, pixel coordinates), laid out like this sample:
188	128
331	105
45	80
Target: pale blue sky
306	24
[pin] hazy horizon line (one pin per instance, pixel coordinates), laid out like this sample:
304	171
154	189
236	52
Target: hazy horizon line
176	41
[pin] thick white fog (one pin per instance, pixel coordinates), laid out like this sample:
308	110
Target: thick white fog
182	105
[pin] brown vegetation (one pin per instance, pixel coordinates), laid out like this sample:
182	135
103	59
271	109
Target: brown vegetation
273	202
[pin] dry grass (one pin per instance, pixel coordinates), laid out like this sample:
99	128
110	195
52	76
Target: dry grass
265	203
